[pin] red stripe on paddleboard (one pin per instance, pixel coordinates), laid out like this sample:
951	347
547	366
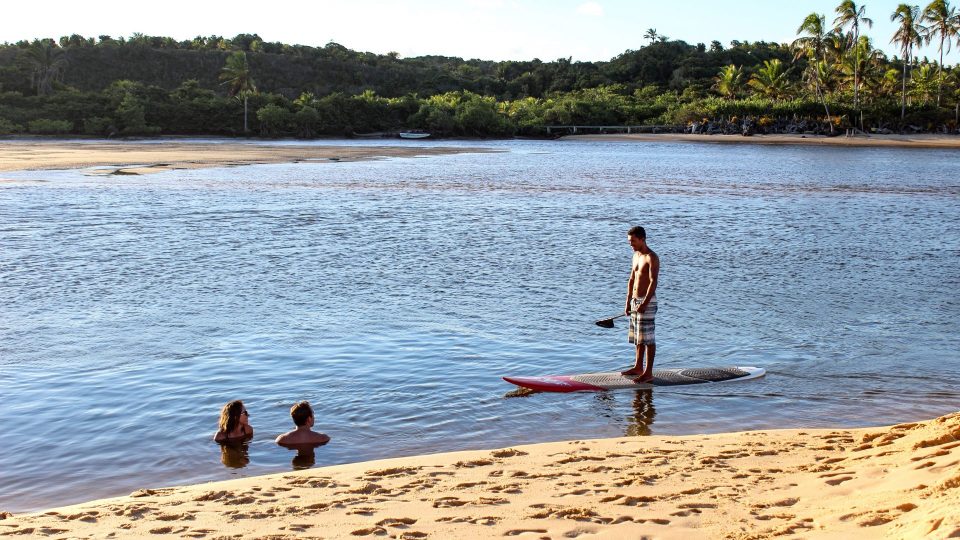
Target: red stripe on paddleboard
553	383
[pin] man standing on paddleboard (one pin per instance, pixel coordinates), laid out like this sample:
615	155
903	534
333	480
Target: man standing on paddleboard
642	303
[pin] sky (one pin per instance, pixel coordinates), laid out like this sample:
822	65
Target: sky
584	30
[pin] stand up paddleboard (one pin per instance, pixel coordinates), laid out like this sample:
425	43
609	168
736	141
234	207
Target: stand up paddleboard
599	382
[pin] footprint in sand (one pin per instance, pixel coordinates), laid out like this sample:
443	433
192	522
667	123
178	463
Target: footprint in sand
314	482
469	485
176	517
575	492
512	489
518	532
370	531
876	521
168	530
399	523
768	517
507	452
838	481
475	463
150	492
88	517
448	502
392	472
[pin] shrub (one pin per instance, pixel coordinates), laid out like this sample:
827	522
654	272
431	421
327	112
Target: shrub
97	125
7	127
274	120
44	126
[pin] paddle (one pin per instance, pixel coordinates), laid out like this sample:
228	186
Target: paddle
608	322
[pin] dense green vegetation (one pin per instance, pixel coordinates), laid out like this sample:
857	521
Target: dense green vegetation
830	78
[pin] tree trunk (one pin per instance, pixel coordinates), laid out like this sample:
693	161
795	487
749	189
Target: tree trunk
940	72
245	129
823	99
903	91
856	72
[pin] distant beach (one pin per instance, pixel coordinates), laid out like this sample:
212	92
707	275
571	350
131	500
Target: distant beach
137	157
899	481
134	157
887	141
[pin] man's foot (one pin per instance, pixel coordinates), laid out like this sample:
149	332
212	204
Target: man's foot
637	375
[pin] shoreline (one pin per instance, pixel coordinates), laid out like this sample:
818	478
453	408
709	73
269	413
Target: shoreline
136	157
866	141
900	481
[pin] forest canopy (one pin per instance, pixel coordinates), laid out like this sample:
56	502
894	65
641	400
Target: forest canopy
830	78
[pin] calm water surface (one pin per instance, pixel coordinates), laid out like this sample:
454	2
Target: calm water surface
394	294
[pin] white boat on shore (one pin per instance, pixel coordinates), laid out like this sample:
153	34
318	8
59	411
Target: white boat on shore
414	135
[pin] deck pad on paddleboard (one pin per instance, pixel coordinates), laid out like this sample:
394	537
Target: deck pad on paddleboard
614	380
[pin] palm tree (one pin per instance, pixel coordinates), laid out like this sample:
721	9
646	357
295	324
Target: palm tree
849	15
923	82
729	81
872	65
651	35
945	24
813	44
907	35
48	64
236	74
771	80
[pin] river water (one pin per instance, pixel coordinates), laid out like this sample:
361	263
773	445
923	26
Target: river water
394	294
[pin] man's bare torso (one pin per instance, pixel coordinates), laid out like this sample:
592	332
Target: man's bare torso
642	274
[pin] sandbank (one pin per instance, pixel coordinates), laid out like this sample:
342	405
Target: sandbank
141	158
887	141
900	481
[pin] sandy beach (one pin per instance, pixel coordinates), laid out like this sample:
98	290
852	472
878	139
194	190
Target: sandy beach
132	158
901	481
127	158
885	141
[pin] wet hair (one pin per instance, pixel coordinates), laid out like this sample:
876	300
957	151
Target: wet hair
637	232
230	416
301	412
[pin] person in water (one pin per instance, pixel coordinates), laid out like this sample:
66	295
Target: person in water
642	304
302	415
234	423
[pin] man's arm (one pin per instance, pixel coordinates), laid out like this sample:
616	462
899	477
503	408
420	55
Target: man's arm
633	273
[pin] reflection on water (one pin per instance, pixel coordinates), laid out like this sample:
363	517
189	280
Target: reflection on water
394	294
235	454
643	414
305	457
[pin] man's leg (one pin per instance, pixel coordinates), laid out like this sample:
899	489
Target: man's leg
648	368
637	368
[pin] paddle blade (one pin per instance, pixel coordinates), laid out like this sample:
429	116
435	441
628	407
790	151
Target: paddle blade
605	323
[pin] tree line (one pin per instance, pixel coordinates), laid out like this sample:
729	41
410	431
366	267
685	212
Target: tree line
831	77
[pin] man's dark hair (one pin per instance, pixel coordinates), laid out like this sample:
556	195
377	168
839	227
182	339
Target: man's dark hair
301	412
638	232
